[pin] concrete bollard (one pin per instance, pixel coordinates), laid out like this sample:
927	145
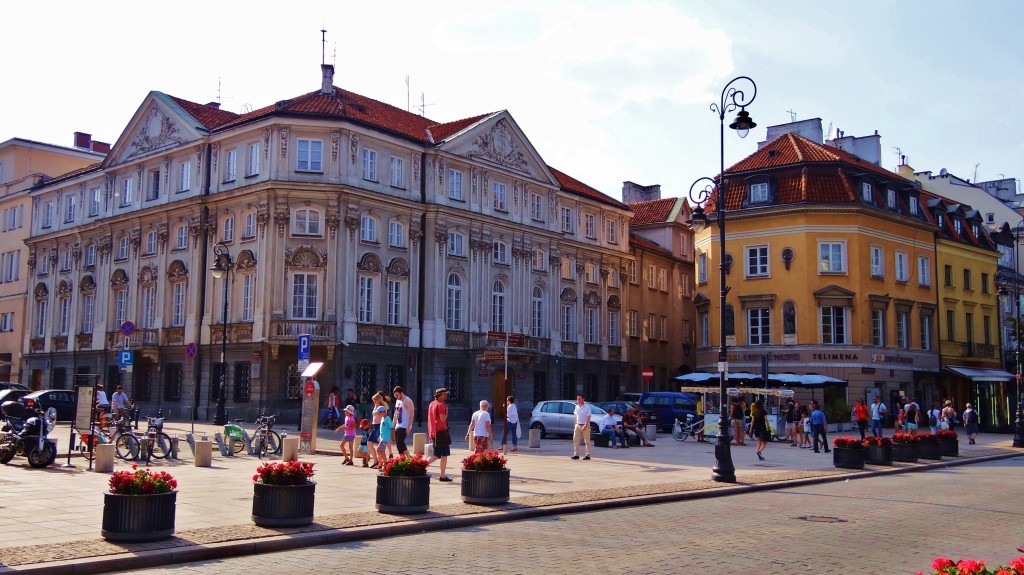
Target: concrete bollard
104	462
174	446
419	442
652	432
534	440
290	448
204	454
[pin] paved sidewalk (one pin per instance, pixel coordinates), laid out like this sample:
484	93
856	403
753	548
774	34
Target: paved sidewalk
51	518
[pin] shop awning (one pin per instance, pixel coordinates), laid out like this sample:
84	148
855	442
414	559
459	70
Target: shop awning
978	374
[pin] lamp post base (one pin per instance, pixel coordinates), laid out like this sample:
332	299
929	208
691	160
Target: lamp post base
1018	436
724	470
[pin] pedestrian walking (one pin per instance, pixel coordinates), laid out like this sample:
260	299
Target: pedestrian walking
364	402
912	416
364	442
759	425
387	434
736	412
512	418
479	432
971	424
333	413
581	429
818	423
790	419
349	437
860	415
377	442
404	409
948	415
934	415
878	411
437	430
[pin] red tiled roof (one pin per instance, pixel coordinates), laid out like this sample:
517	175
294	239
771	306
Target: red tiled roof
441	132
72	174
643	243
652	211
573	185
210	117
792	149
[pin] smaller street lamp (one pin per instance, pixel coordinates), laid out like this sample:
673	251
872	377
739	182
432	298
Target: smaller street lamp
222	264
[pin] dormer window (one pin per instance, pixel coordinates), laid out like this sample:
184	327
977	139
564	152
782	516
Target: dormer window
939	220
975	230
865	192
759	193
890	199
913	205
958	226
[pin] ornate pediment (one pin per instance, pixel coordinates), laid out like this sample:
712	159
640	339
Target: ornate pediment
398	268
87	285
118	279
157	130
305	256
498	142
177	271
370	263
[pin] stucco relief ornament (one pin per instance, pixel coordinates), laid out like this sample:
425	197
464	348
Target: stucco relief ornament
148	274
370	263
398	268
415	170
281	219
305	256
157	131
440	172
262	218
352	224
335	137
266	143
194	227
353	144
499	146
87	285
214	152
64	288
177	271
284	140
333	220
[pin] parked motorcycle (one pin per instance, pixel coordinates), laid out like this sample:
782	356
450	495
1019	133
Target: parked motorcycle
25	433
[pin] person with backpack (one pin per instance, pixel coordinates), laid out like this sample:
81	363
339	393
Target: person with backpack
934	415
913	413
971	424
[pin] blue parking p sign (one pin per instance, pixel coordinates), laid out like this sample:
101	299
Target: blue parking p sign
304	344
124	357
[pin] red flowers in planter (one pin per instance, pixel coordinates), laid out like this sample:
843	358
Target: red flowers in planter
847	443
284	473
405	466
946	434
944	566
484	461
905	438
877	441
141	482
927	438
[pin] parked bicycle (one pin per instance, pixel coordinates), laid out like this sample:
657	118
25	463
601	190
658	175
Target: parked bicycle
266	440
692	428
120	433
158	443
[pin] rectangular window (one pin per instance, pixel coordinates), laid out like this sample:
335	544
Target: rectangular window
248	296
153	191
65	260
924	271
757	261
947	272
591	226
984	283
648	329
41	318
120	307
877	262
613	278
122	248
304	296
11	266
88	312
396	234
663	327
865	192
759	193
397	172
149	307
229	230
705	329
832	257
878	327
365	299
230	165
632	272
369	165
95	197
538	260
310	156
662	279
252	164
833	325
185	176
967	280
568	221
634	323
127	192
456	244
150	243
890	199
590	315
181	238
44	263
499	253
250	226
651	276
926	332
242	381
178	304
612	232
536	208
950	325
969	327
69	209
613	328
702	268
590	273
903	330
455	382
48	214
455	184
568	322
90	255
394	303
65	316
912	202
537	314
566	269
759	326
172	381
902	273
500	199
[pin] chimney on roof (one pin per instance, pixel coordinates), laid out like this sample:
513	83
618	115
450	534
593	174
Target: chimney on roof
636	193
214	105
327	86
100	147
83	140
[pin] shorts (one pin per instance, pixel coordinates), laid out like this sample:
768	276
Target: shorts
374	434
910	425
364	449
442	451
350	438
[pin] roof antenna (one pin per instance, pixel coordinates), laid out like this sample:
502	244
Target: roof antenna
976	171
408	101
218	89
334	55
323	46
899	154
792	115
423	104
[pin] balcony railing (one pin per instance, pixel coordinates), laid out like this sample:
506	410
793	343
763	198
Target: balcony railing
592	351
60	343
979	350
237	332
36	344
174	335
83	340
459	339
291	329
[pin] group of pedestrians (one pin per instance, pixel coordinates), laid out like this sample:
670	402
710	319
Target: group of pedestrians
384	432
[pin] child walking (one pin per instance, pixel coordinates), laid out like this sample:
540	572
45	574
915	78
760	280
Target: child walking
364	448
348	440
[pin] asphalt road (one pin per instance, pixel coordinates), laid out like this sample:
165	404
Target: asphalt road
880	525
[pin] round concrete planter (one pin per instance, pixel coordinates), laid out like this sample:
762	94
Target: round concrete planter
403	495
138	518
847	458
283	505
485	487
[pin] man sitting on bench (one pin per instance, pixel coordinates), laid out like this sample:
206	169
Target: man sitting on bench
634	427
612	429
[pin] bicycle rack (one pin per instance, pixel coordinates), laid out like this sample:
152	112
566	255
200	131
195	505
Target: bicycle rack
224	449
174	447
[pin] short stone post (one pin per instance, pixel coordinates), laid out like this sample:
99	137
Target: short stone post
419	442
652	432
290	448
534	440
204	453
104	458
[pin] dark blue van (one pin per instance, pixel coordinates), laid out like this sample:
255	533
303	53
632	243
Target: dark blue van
669	405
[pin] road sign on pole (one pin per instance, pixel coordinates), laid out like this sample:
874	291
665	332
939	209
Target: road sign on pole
305	342
648	374
124	357
127	328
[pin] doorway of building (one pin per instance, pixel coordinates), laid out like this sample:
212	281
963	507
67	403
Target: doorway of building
992	401
500	389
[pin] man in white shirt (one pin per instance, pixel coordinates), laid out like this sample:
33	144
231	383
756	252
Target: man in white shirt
878	411
581	429
119	403
403	419
612	429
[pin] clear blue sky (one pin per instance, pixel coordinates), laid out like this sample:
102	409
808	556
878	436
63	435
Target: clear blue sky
606	90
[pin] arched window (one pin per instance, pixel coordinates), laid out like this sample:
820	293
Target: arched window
537	313
498	306
453	309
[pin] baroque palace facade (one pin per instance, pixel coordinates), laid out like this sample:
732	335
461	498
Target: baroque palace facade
406	248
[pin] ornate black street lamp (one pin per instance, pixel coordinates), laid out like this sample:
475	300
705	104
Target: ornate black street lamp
222	264
732	99
1018	425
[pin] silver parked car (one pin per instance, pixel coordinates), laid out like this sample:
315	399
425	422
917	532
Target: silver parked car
556	417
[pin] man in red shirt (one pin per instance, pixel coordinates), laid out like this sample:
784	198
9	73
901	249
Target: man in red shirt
437	429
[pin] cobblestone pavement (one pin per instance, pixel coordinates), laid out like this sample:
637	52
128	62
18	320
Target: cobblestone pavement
889	524
51	518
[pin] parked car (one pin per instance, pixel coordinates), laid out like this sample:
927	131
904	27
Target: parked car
60	399
669	405
11	395
647	417
630	396
4	385
556	417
